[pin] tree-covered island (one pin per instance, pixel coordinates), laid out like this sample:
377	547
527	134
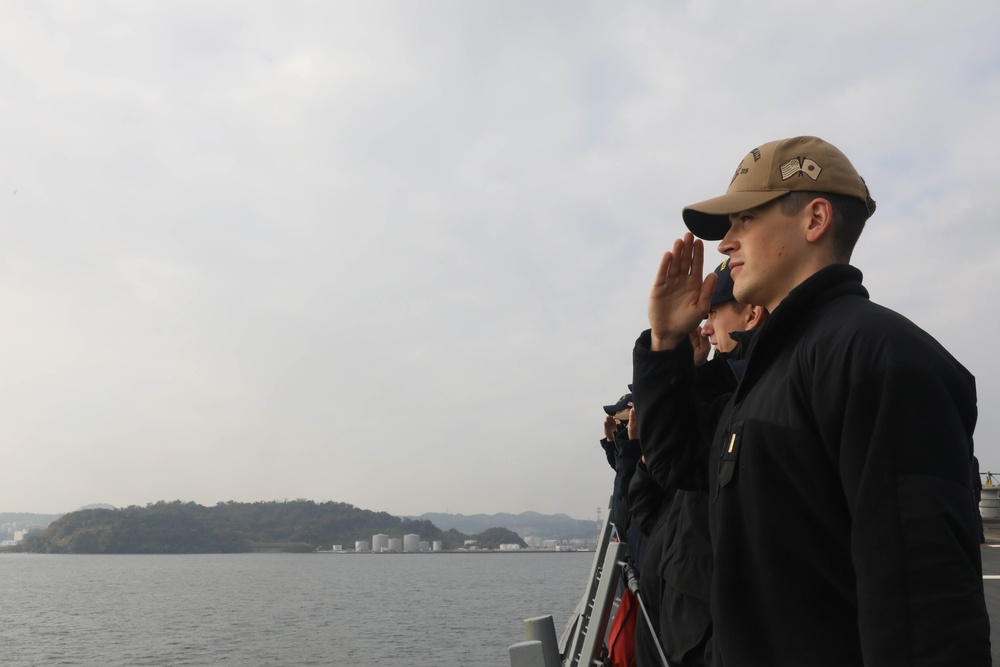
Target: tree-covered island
231	527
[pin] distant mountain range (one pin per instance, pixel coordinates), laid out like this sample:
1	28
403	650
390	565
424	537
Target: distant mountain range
34	520
27	519
12	523
525	524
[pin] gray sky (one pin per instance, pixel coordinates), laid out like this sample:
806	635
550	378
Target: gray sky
397	254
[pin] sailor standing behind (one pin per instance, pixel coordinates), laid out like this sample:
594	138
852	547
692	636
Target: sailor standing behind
673	508
623	454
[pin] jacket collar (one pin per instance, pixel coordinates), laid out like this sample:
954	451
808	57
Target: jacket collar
742	339
828	283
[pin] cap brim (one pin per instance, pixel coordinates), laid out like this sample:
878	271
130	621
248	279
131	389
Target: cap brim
719	299
709	219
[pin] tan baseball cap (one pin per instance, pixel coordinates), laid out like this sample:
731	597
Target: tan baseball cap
773	170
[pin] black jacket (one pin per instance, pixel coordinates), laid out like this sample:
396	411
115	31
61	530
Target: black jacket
677	570
676	573
623	455
843	523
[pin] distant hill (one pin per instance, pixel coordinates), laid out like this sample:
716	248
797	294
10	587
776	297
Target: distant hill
10	522
183	528
27	519
525	524
35	521
13	522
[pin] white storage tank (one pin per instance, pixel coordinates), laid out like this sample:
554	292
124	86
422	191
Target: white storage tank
411	543
989	506
362	545
395	545
380	542
437	545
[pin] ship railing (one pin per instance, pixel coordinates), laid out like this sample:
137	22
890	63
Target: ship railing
581	643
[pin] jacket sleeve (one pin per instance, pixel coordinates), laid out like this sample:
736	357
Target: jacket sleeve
646	498
672	422
609	452
897	418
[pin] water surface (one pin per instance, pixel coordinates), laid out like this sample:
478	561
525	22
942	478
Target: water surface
279	609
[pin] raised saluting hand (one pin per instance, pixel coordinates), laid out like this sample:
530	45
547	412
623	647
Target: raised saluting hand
680	297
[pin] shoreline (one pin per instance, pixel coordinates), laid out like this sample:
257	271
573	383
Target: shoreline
465	551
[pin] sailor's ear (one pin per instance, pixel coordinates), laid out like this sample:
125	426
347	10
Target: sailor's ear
755	316
818	220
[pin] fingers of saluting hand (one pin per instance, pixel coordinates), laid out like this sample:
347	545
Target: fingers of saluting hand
701	346
684	261
680	297
705	298
633	425
685	252
609	427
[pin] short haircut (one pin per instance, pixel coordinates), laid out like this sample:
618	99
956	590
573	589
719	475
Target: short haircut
737	306
849	216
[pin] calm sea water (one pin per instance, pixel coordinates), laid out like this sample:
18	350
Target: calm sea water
279	609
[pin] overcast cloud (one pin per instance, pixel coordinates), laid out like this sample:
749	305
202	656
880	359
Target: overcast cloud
396	254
